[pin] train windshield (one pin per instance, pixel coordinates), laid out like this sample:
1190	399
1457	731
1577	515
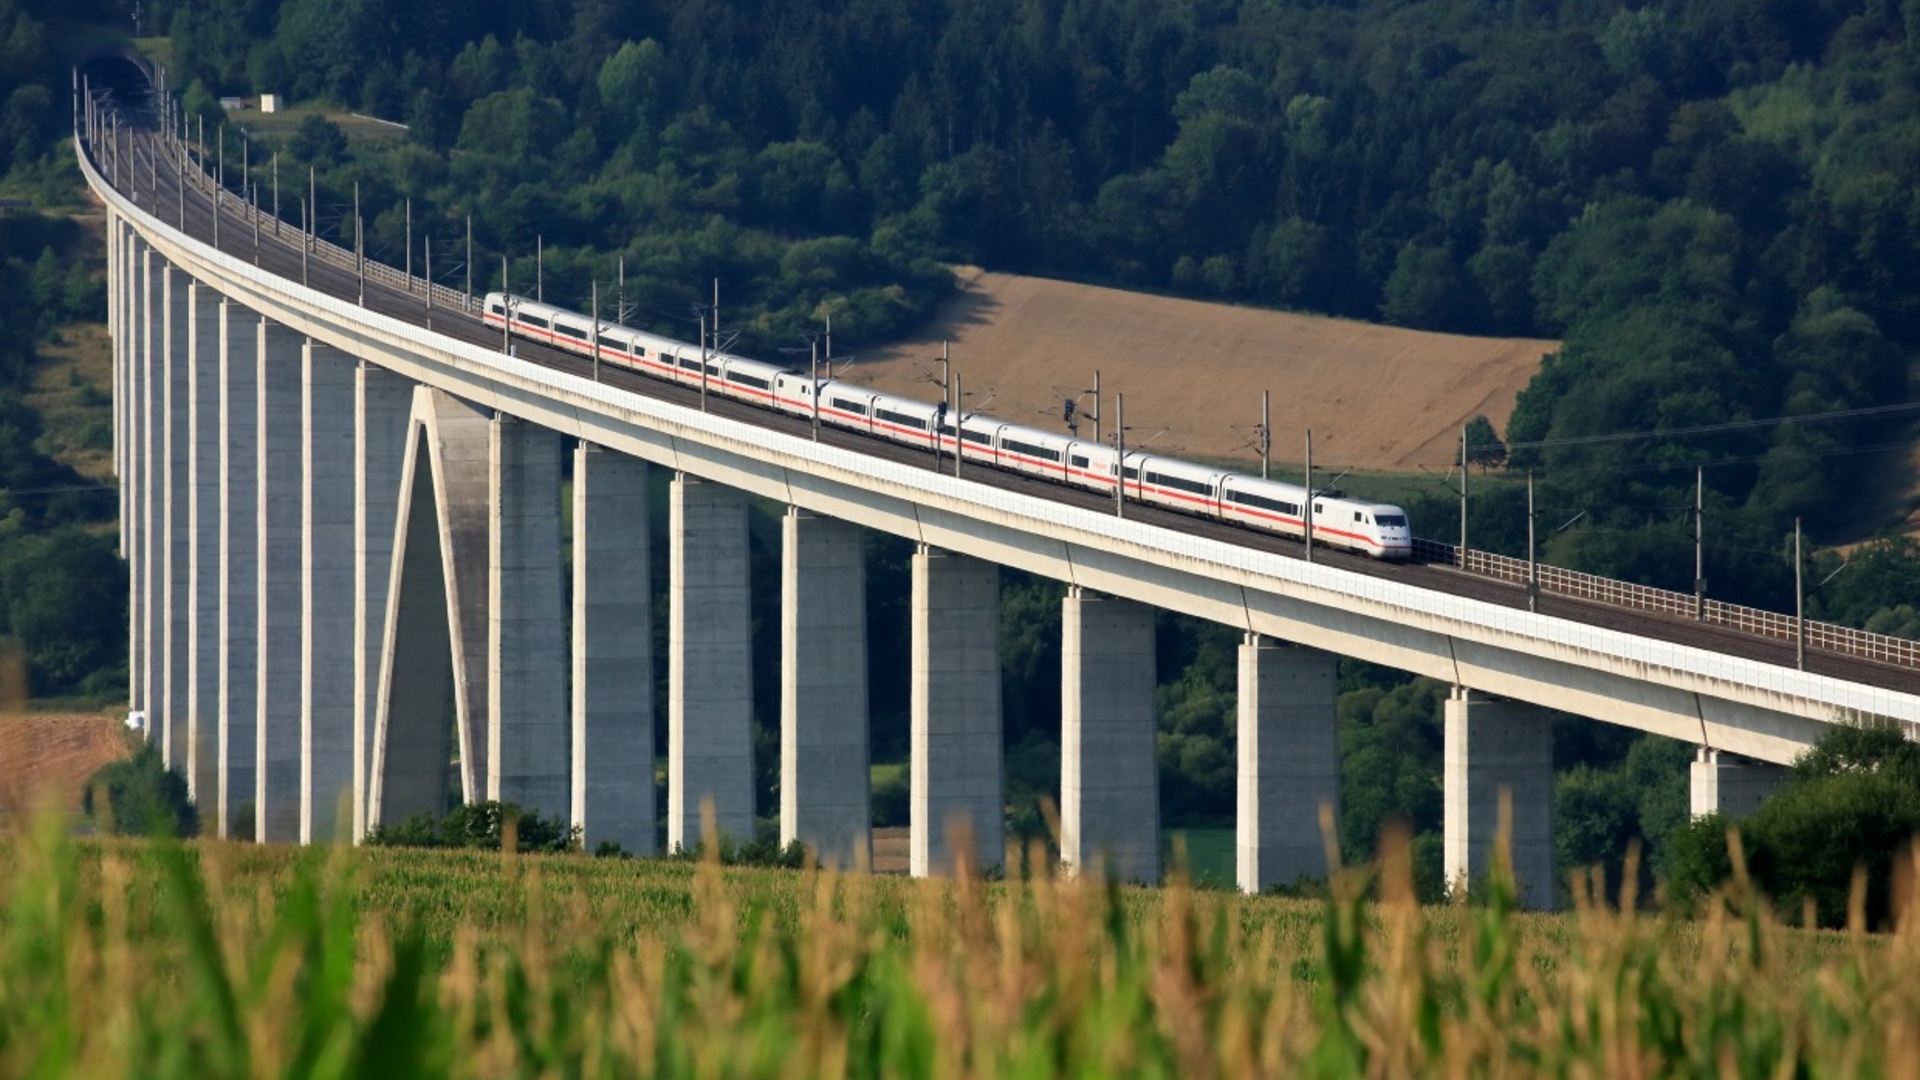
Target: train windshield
1393	521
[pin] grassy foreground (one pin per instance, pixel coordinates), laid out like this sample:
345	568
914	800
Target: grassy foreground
214	960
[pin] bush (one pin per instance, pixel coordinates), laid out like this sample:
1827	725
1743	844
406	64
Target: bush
1853	801
143	798
481	825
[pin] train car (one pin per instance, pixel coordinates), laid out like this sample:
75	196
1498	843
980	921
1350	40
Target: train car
1032	451
1377	529
1170	482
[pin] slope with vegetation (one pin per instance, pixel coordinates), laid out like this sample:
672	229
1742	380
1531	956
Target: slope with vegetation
1708	203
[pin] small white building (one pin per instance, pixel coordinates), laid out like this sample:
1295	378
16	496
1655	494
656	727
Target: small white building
233	104
269	103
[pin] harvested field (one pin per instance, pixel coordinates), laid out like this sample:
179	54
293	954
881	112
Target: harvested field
1376	397
45	758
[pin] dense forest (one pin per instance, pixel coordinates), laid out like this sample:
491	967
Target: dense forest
1711	203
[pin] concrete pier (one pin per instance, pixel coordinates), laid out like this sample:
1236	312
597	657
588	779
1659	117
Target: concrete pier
1288	762
133	519
824	754
153	471
416	714
238	726
326	579
276	811
1494	747
1731	785
204	640
176	528
382	402
1109	779
612	744
527	718
709	663
460	439
957	770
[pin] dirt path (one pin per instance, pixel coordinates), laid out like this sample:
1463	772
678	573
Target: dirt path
1376	397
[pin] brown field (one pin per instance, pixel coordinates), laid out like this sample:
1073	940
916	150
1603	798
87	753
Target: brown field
1376	397
45	758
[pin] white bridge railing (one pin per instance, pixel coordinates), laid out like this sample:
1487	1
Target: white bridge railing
1625	594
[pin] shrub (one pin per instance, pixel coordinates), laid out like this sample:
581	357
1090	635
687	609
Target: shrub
143	797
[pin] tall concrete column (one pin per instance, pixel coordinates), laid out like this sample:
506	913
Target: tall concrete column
153	471
116	328
1109	780
1288	761
709	663
176	523
1731	785
613	789
328	628
204	640
237	733
280	593
957	769
133	533
382	402
527	717
824	756
1494	747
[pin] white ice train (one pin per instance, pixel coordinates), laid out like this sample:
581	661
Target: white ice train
1375	529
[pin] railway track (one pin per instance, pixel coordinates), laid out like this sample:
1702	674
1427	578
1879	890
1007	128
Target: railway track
281	255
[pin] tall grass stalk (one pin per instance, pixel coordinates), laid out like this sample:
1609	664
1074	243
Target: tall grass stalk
158	960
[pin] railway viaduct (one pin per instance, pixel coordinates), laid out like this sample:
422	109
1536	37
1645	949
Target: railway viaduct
340	507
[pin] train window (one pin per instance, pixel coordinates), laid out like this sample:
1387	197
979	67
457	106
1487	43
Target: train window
1318	509
1079	462
1030	450
1132	473
980	437
689	363
640	351
901	419
1179	483
853	407
535	320
1395	521
1357	516
497	309
570	331
748	380
713	369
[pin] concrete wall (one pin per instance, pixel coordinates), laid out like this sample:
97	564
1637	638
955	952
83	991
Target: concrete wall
1499	751
1109	780
824	756
1287	760
239	565
528	720
709	664
613	761
958	800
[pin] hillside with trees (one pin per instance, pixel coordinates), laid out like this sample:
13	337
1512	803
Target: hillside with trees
1711	204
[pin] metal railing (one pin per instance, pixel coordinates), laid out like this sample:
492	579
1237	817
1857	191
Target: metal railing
1625	594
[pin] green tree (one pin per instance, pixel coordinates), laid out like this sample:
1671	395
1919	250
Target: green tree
139	796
